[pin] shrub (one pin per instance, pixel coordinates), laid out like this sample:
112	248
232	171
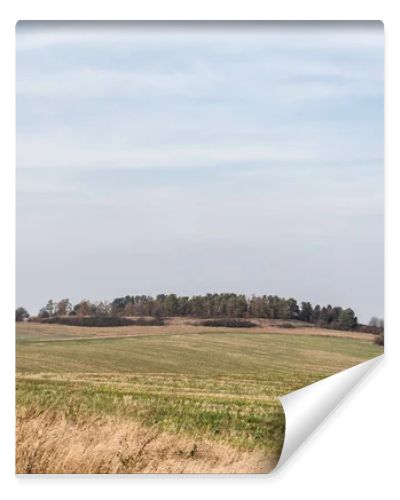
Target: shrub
380	339
376	330
102	321
148	321
227	322
286	325
21	314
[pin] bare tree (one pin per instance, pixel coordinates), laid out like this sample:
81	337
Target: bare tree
63	307
374	321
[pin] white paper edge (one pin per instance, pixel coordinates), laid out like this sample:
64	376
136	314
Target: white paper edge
306	408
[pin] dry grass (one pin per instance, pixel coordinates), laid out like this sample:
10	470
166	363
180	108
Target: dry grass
48	442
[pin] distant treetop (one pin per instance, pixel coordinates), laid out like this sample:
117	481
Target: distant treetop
212	305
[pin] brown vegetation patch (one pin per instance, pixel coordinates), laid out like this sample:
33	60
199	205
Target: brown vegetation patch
49	443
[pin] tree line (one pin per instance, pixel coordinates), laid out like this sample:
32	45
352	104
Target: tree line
211	305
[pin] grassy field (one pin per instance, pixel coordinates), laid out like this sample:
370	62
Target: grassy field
211	395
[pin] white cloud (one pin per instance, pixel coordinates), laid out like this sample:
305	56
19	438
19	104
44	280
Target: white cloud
39	152
88	83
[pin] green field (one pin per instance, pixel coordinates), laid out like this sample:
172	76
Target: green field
219	386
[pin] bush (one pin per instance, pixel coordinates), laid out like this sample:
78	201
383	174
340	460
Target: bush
148	322
380	339
21	314
101	321
230	323
286	325
376	330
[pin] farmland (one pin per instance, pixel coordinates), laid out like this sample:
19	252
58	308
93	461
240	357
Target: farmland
174	398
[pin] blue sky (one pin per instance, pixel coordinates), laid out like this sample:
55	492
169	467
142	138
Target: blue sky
191	158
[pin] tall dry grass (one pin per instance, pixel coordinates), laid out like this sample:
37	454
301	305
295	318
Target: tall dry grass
49	443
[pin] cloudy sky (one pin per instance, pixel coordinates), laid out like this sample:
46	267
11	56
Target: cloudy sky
194	158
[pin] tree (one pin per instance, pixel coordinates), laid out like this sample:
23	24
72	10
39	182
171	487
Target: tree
306	311
196	305
63	307
293	308
374	321
103	308
43	313
171	305
118	305
213	305
183	306
255	307
241	306
324	316
275	304
347	319
129	309
21	314
315	314
84	308
51	308
157	311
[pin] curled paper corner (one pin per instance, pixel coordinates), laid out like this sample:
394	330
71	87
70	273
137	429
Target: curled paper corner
306	408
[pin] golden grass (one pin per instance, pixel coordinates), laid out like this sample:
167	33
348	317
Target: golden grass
48	442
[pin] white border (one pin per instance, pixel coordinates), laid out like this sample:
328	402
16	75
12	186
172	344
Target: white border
355	452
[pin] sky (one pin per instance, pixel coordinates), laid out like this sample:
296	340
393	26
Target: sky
200	157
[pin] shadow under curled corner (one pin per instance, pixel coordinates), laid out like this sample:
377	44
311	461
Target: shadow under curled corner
306	408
